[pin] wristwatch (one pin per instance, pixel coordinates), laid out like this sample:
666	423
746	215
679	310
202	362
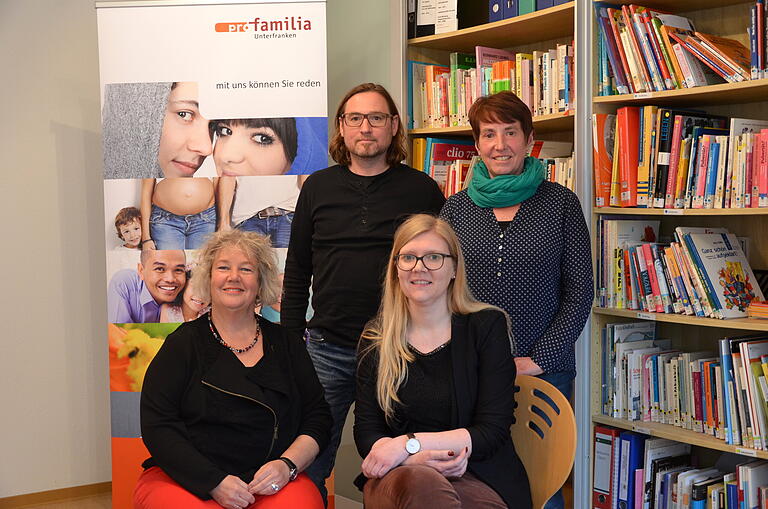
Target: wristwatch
292	470
412	445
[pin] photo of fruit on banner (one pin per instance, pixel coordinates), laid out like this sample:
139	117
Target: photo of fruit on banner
132	346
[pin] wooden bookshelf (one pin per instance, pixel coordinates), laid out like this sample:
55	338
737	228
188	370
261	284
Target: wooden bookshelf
537	26
744	92
631	211
678	5
671	432
746	324
541	124
749	99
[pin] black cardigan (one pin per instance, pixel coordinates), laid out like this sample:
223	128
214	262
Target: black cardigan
483	380
200	410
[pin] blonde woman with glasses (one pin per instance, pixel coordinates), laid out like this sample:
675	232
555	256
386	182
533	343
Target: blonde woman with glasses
435	385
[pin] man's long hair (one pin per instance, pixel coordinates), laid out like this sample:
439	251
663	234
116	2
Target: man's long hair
396	151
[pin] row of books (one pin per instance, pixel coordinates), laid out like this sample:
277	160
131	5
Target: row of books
440	96
429	17
645	50
632	471
448	161
648	156
504	9
703	272
721	394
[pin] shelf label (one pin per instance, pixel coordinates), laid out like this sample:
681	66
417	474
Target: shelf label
673	212
746	452
646	316
642	95
644	431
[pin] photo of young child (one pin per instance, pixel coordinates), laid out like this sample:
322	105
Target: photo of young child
128	226
186	307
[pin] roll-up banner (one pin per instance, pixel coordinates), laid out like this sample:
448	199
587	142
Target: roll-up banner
212	116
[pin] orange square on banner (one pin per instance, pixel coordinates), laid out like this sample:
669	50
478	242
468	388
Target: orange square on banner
127	456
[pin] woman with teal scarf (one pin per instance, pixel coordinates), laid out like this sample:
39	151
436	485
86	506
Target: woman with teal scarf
525	242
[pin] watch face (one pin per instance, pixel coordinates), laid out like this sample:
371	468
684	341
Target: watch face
412	446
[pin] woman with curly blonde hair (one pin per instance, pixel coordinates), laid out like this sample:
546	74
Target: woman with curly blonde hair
435	394
231	407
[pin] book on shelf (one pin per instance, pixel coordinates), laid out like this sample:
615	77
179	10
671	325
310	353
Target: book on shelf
440	154
426	17
462	67
606	458
440	96
683	159
603	136
722	395
641	49
703	272
446	16
449	161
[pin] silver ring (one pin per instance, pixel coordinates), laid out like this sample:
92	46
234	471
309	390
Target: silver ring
274	486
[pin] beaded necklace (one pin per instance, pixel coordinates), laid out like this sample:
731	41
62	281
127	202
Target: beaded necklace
236	350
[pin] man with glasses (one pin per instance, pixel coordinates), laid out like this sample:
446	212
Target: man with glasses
341	235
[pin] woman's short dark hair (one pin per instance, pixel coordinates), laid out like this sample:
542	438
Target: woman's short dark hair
503	107
396	151
284	128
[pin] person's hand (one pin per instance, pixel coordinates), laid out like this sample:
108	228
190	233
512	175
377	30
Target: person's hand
386	454
232	493
274	472
148	245
526	366
447	462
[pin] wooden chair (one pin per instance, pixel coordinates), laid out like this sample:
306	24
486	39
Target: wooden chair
544	434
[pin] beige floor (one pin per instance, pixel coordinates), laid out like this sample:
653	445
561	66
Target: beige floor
105	502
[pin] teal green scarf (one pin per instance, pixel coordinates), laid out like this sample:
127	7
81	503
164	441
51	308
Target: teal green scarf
505	190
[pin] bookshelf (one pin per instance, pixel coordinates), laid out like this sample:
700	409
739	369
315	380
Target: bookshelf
541	25
726	93
748	99
539	30
670	432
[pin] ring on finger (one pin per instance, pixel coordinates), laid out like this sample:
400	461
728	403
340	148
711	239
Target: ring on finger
275	487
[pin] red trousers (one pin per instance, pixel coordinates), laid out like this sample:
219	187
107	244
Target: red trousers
155	490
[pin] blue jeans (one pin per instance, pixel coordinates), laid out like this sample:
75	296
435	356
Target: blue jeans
171	231
563	381
335	366
277	228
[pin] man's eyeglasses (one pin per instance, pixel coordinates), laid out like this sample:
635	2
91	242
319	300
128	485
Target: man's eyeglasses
376	119
431	261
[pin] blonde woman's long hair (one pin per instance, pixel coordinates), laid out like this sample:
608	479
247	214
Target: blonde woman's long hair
387	332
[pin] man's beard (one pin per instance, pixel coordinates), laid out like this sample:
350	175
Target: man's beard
369	151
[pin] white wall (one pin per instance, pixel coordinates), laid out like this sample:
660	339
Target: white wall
53	368
365	43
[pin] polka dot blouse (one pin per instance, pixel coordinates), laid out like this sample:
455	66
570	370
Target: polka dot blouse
538	269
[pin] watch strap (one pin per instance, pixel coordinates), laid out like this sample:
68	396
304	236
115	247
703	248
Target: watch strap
292	470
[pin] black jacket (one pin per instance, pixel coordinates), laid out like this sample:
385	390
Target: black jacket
205	416
483	381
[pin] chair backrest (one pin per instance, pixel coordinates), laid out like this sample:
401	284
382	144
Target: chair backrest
544	434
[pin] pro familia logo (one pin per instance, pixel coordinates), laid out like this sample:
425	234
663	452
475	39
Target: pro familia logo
267	28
